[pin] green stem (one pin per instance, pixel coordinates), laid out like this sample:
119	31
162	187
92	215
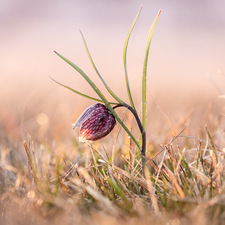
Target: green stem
143	133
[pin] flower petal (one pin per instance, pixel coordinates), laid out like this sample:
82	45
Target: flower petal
97	127
105	130
89	112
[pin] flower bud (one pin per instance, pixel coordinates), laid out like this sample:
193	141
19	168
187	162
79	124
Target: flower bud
95	123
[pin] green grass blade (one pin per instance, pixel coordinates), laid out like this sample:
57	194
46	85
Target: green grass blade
213	146
119	191
102	97
186	167
145	70
125	58
77	92
162	198
96	70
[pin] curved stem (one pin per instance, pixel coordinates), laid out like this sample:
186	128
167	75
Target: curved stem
143	133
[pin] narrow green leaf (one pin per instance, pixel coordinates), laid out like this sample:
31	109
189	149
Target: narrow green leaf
102	97
79	93
213	146
96	70
119	191
125	58
57	177
145	70
162	198
187	169
199	158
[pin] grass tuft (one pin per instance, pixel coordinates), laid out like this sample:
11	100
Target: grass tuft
55	185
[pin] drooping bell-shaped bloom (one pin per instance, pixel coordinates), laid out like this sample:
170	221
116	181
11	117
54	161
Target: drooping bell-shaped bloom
95	123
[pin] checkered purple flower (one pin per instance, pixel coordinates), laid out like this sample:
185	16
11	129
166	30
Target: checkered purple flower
95	123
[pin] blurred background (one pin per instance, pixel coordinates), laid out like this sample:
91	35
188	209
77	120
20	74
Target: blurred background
187	48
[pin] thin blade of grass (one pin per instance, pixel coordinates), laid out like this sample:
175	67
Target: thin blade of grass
106	203
102	97
125	58
151	191
145	71
119	191
57	175
174	181
159	190
186	167
32	163
96	70
79	93
200	158
213	146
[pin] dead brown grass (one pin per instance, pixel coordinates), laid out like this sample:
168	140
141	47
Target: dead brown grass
49	177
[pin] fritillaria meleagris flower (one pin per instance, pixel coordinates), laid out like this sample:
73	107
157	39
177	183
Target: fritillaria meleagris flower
95	123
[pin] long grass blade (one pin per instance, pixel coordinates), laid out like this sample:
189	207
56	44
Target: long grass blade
125	58
96	70
145	70
187	169
102	97
79	93
119	191
213	146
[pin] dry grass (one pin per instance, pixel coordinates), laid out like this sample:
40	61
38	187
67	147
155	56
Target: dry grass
59	180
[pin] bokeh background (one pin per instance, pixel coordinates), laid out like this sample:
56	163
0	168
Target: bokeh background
187	50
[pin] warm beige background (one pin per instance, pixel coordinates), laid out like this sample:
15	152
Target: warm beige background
188	45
